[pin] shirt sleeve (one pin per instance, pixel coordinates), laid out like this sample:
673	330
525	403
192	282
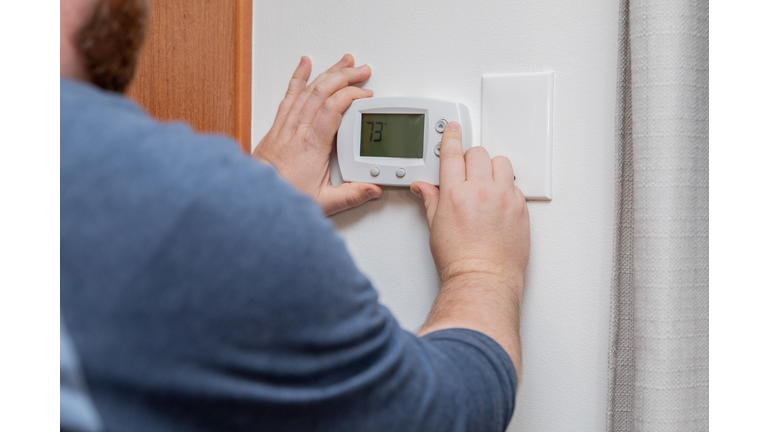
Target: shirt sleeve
486	383
207	294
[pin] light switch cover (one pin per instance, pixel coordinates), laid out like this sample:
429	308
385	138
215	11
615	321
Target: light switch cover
517	123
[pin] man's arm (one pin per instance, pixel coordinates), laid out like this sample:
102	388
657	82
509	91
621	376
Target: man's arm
243	310
480	235
480	240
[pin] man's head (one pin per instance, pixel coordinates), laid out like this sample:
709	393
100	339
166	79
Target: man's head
101	40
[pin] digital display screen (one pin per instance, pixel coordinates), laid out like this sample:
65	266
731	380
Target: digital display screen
392	135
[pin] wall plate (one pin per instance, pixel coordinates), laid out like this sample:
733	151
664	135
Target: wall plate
517	123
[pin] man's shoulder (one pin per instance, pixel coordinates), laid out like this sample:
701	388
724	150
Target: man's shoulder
122	171
109	142
97	125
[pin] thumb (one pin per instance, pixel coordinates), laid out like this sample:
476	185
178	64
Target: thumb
348	195
430	194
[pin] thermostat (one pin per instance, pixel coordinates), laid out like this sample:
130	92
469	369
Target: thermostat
394	141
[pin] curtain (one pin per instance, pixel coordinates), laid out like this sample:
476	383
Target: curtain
659	356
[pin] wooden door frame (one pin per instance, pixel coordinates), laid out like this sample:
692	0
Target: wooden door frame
243	63
203	82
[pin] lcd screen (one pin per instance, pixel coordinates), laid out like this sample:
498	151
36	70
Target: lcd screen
392	135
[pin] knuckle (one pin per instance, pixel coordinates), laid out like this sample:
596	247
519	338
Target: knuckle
456	196
483	192
329	105
307	135
453	149
353	199
320	90
286	102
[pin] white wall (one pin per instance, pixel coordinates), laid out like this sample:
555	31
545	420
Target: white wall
441	49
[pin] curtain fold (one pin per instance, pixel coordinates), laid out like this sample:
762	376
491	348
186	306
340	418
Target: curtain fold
621	366
659	359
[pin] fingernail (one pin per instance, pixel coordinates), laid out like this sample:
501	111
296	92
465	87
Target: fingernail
301	63
343	59
363	67
372	194
453	126
368	92
416	191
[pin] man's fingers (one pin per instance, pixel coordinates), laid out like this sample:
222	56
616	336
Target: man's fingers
347	60
430	194
479	165
348	195
503	173
325	89
299	78
327	121
452	168
295	87
292	116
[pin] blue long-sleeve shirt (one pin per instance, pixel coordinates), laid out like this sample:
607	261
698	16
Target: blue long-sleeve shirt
203	293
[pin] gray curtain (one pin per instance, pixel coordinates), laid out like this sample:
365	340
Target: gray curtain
659	359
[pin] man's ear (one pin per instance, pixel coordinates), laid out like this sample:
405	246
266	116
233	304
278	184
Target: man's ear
73	14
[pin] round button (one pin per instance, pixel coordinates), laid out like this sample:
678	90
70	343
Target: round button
437	149
440	125
400	172
375	171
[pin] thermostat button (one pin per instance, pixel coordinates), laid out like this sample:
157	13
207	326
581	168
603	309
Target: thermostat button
440	125
400	172
437	149
375	171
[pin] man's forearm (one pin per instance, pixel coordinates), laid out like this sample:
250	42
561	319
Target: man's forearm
484	303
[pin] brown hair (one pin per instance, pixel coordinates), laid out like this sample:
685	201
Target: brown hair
110	40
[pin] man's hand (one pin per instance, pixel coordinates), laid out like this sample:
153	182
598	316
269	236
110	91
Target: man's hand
478	218
300	142
480	240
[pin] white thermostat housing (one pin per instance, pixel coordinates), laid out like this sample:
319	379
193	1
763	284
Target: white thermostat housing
394	141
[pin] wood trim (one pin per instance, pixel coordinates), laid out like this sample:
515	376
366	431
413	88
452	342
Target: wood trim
195	66
243	64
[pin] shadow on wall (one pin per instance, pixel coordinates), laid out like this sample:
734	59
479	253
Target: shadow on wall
352	217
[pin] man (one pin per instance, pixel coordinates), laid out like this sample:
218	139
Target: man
204	290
